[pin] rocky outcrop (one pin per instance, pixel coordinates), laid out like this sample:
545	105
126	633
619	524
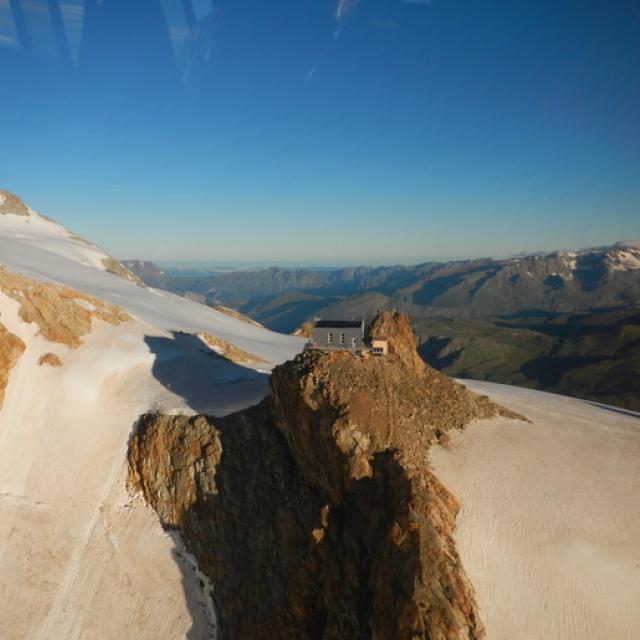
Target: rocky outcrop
111	265
233	313
11	204
50	359
315	514
62	314
229	351
11	348
396	328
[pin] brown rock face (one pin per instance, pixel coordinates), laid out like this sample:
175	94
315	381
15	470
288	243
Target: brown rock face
396	328
11	348
62	314
315	514
50	359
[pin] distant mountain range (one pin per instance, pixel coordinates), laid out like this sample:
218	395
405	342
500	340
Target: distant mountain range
558	282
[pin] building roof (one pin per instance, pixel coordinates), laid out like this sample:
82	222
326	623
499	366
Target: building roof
338	324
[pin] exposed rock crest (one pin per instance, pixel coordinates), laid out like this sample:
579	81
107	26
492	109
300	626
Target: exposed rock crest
11	204
230	351
234	313
315	514
111	265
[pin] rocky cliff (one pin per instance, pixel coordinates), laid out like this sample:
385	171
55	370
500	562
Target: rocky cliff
315	514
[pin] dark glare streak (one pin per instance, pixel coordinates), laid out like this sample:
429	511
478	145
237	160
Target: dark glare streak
189	13
59	33
21	25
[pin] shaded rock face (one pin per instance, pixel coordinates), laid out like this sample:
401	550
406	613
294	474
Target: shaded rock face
233	489
315	514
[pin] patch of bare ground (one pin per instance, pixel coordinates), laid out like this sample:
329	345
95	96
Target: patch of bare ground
230	351
62	314
50	359
11	348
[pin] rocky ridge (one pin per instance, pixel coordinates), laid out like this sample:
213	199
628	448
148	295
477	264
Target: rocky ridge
230	351
315	514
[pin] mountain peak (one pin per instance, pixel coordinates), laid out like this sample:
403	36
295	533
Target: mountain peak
10	203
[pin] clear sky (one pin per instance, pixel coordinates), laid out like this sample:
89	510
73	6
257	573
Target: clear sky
324	131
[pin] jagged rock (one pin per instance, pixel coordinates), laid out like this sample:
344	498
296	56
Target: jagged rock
316	514
396	328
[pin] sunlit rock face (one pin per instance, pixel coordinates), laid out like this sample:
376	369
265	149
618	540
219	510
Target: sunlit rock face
11	204
315	514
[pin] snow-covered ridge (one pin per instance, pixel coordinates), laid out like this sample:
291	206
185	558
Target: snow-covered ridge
40	248
622	256
33	230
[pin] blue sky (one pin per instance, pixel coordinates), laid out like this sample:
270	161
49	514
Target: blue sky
326	132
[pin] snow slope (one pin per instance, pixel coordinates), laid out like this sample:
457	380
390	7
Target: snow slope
36	231
42	249
79	558
549	529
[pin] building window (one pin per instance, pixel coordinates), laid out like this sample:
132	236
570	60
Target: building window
342	338
329	338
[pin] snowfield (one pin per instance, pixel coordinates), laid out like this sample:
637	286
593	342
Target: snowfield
549	529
